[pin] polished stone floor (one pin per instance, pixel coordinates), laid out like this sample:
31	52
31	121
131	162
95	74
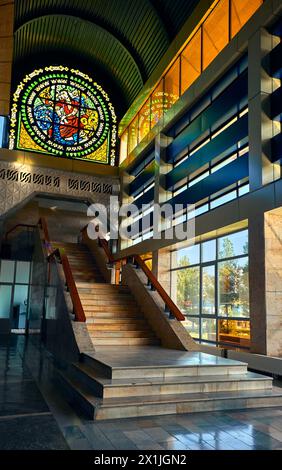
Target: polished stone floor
33	415
154	356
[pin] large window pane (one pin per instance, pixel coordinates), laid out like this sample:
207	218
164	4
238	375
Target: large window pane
235	244
192	325
208	290
186	256
7	269
22	272
186	284
234	331
5	301
123	146
171	85
233	288
144	119
241	11
157	104
191	62
215	32
133	135
208	332
208	251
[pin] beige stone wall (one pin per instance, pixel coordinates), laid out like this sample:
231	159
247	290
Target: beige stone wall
6	53
273	281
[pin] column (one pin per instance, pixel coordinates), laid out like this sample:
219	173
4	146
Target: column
257	283
265	280
6	53
261	127
161	257
273	281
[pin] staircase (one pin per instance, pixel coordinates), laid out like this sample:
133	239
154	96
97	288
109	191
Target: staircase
112	316
140	377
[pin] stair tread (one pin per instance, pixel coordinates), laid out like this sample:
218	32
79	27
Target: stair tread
158	358
249	376
167	399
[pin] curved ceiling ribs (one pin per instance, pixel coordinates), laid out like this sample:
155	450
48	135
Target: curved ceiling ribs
95	44
123	39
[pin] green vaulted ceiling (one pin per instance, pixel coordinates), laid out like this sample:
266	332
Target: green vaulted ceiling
119	42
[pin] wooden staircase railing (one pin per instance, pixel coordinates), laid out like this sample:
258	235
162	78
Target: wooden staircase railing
152	280
61	256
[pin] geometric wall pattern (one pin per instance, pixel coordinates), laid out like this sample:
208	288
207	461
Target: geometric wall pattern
19	182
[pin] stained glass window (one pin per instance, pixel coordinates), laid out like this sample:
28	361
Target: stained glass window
63	112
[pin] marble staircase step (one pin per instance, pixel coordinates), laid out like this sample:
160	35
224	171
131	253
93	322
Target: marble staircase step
88	286
149	366
122	307
112	314
124	341
133	333
128	387
102	324
114	302
126	407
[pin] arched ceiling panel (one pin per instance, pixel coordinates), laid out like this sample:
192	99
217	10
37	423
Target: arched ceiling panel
59	33
123	40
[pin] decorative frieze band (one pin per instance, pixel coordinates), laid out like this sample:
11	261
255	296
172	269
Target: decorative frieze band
17	182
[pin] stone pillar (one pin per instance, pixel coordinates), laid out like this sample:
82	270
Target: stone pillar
273	281
161	195
161	258
261	127
257	283
265	279
6	53
161	267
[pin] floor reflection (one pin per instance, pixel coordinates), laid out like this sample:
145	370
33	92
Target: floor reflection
34	415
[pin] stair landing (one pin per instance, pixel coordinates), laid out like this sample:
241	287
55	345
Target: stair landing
151	380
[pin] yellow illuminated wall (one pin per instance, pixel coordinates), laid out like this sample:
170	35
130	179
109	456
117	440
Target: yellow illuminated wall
215	32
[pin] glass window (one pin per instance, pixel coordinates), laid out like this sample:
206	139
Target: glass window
2	127
215	32
223	199
157	104
234	331
191	62
171	85
208	251
22	272
208	332
133	135
233	288
7	271
208	290
235	244
187	282
193	326
123	146
186	256
241	12
5	301
63	112
214	288
144	119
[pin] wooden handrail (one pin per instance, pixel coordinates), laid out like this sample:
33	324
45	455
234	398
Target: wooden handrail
16	226
77	305
171	306
173	309
76	302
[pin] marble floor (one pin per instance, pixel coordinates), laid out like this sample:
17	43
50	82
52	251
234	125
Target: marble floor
33	415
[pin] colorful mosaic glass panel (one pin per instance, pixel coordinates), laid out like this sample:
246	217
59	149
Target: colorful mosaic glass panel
63	112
